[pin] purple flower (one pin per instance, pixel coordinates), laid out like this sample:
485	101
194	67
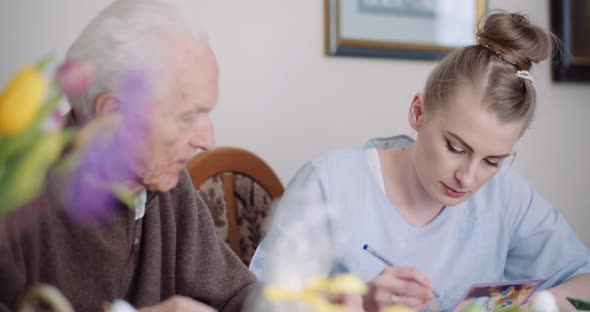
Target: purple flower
108	154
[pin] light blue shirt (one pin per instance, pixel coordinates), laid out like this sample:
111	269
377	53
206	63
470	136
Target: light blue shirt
505	231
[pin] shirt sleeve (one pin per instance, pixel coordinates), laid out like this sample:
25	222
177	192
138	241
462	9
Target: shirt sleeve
13	278
202	266
299	218
13	272
542	244
212	273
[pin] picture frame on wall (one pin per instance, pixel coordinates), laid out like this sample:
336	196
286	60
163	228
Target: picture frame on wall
570	21
412	29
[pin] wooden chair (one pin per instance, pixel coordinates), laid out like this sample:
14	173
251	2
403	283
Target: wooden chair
239	188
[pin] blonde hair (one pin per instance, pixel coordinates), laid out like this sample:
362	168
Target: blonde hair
507	43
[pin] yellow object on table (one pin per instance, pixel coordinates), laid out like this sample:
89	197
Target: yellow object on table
314	292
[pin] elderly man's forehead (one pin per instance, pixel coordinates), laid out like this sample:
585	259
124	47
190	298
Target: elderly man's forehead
185	43
191	79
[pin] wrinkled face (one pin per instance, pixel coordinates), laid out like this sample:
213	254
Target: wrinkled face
460	147
178	121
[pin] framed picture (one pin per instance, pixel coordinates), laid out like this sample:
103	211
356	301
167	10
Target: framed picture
415	29
570	21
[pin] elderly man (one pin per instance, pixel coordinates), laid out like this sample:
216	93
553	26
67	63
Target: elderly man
164	255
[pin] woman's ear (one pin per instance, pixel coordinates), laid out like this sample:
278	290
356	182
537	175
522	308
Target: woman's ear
104	104
416	113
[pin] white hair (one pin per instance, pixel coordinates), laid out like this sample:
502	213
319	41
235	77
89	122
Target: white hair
129	35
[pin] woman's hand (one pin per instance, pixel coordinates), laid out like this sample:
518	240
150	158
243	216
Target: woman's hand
399	285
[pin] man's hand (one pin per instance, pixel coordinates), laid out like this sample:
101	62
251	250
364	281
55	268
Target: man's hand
400	285
179	303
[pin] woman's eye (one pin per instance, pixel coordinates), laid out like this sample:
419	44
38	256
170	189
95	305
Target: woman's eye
492	163
454	149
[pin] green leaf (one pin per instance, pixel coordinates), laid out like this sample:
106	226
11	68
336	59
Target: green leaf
511	308
474	306
124	195
48	106
26	173
44	62
579	304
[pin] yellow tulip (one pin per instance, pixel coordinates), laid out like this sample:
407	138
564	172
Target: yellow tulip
347	284
313	292
396	308
21	100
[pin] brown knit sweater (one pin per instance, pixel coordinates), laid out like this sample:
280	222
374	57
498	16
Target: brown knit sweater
173	250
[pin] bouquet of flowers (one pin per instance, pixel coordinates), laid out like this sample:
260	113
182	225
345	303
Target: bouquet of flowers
33	140
28	149
35	143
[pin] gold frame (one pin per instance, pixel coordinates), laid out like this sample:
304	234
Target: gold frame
414	50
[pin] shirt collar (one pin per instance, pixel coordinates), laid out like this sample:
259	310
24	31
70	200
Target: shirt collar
140	201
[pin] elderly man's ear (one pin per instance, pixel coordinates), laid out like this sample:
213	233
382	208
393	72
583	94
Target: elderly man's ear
105	104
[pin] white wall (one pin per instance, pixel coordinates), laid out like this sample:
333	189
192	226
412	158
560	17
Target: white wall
283	99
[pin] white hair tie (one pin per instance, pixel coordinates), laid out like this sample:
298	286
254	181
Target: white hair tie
526	75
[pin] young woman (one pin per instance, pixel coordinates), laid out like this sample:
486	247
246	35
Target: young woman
446	209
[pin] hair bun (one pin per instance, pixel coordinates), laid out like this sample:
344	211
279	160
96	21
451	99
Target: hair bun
516	40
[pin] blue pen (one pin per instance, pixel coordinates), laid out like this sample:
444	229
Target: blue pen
377	255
